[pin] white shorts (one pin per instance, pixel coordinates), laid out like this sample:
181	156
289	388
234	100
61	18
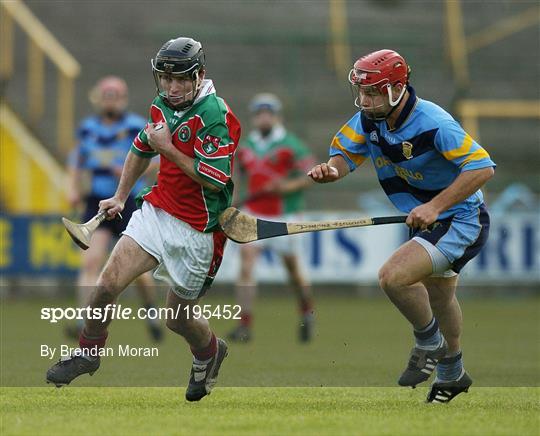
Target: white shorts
281	245
188	259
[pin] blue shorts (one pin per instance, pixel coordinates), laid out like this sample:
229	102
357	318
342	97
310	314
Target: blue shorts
116	227
460	237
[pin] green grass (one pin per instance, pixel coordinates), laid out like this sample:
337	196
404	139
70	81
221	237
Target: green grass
341	383
385	411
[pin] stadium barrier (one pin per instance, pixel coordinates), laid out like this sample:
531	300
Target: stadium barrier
31	180
39	245
42	46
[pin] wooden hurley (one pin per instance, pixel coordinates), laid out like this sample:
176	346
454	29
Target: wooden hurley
242	228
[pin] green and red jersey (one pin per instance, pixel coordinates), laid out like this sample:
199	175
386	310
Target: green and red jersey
279	155
208	132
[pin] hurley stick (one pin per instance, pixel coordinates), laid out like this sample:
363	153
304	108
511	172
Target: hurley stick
241	227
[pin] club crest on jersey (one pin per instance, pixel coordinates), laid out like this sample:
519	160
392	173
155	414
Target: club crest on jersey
406	149
210	144
184	133
373	137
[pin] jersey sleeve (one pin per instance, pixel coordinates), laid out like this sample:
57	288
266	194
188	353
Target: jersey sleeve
140	143
140	146
350	142
459	148
214	150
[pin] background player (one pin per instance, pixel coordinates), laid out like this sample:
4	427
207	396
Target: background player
176	230
94	168
432	170
274	163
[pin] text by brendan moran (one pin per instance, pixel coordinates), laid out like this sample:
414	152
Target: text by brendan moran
119	351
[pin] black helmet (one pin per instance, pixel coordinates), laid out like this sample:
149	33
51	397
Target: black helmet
183	57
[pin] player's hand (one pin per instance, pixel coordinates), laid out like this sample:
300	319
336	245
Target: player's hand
323	173
159	137
112	205
422	216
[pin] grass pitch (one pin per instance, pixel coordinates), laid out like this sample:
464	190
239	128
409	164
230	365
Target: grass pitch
341	383
264	411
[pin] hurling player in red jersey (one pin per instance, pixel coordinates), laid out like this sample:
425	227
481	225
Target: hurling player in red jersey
176	231
273	162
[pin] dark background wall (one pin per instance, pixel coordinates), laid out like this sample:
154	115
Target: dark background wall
283	47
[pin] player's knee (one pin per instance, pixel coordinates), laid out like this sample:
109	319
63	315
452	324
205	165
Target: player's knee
392	278
387	279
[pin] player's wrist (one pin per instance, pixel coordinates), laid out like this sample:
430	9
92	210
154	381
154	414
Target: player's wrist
120	197
168	150
437	206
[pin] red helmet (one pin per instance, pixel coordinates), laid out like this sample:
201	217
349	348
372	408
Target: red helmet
380	68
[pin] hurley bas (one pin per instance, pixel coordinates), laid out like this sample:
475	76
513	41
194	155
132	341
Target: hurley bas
119	351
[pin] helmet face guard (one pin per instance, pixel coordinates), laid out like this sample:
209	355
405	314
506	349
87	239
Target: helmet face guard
184	100
380	91
375	75
181	59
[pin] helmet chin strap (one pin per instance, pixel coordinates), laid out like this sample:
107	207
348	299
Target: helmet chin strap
198	85
394	103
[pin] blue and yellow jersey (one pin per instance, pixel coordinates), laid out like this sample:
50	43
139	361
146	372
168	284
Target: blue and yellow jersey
420	157
102	147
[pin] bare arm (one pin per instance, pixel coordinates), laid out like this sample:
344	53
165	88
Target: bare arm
466	184
335	169
134	167
151	172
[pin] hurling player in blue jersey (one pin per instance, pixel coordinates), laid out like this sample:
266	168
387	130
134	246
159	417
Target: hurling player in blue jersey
431	169
94	168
